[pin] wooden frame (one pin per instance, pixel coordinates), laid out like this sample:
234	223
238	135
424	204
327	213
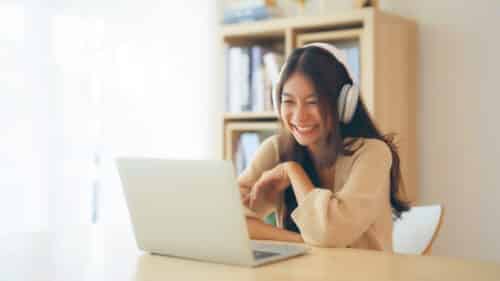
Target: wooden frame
233	129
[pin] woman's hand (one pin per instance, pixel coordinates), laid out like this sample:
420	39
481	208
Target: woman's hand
269	186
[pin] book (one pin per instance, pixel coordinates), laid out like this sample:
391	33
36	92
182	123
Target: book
245	81
238	97
273	62
233	78
250	10
352	56
251	74
257	79
248	144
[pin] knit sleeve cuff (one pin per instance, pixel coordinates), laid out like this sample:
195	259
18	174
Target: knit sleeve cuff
310	216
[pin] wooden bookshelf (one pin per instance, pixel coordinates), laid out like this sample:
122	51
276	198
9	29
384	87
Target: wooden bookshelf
234	127
387	62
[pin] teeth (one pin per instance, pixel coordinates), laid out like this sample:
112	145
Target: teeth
304	129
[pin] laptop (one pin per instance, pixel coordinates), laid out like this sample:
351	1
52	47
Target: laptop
192	209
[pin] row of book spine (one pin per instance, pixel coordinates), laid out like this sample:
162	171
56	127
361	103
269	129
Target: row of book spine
250	10
251	73
247	145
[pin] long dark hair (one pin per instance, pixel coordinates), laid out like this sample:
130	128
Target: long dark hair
328	76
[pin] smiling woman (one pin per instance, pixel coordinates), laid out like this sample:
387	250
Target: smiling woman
330	174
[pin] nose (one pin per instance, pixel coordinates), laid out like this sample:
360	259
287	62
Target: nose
300	114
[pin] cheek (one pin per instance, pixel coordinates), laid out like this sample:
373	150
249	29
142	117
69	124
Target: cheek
324	124
327	125
285	116
316	115
284	113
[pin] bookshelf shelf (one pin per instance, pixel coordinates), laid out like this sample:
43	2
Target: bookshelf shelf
386	47
337	35
278	26
252	126
251	116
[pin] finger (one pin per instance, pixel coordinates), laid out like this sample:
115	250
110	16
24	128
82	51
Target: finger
259	187
254	193
251	202
244	189
244	194
246	201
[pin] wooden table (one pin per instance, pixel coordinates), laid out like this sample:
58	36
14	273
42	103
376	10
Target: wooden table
109	253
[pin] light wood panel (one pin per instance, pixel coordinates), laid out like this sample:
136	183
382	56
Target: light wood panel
348	34
395	91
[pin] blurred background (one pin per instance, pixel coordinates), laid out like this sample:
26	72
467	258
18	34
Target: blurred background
82	82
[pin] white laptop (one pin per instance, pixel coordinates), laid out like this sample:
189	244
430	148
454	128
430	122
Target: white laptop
192	209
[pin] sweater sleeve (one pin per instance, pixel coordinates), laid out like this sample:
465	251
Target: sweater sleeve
266	157
338	219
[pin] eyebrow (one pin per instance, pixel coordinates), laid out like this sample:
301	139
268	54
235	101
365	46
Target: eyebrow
290	95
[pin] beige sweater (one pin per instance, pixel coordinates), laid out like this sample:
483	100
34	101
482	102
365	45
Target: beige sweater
355	212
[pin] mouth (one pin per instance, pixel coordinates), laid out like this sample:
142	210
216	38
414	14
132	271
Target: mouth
304	130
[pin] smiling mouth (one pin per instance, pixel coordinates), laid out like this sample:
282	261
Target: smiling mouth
304	129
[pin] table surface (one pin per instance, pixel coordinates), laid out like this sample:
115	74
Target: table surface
109	253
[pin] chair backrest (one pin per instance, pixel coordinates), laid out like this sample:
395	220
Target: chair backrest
417	229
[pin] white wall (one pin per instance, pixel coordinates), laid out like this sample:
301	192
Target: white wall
24	118
117	77
458	132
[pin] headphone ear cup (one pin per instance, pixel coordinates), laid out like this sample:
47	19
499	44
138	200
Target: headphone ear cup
351	103
341	107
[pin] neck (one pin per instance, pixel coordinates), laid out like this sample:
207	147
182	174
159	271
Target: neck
317	154
314	152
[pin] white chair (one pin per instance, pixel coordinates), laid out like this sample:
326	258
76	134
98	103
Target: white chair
417	229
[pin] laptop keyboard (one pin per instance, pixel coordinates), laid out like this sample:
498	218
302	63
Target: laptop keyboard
262	254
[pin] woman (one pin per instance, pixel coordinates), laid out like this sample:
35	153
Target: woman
330	175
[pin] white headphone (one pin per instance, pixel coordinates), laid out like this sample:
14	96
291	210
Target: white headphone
349	94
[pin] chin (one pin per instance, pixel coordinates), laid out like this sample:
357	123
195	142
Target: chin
306	141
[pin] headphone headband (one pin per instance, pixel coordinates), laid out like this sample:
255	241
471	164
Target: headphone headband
340	55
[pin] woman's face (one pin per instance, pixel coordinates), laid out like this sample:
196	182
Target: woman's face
300	110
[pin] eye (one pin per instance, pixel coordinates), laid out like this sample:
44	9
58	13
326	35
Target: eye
312	102
287	101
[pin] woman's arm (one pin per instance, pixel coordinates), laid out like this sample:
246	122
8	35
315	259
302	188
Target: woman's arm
266	157
299	180
279	177
259	230
337	220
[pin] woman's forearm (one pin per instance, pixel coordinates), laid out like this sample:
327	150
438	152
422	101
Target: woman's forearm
299	181
261	231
